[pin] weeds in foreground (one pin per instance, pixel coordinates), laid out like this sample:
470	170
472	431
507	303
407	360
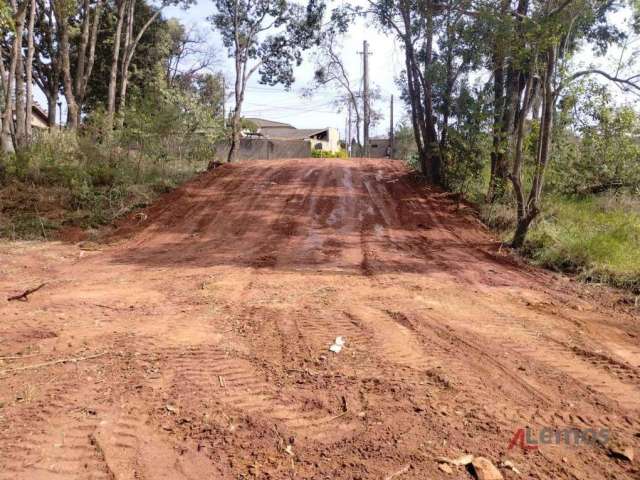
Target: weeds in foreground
68	181
595	237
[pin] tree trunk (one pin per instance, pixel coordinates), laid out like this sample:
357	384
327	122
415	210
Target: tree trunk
20	132
522	228
236	127
128	51
126	58
240	83
498	159
499	168
63	38
52	107
87	42
527	213
113	76
546	126
7	138
82	49
29	73
431	141
81	91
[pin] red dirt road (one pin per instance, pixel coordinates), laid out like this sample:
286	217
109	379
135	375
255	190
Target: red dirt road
201	338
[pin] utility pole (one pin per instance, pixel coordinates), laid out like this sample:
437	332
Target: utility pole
365	96
391	132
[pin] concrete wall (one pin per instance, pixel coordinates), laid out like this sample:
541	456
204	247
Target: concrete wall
334	140
378	148
263	149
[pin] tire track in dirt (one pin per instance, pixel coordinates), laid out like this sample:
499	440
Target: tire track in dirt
213	374
392	341
286	231
133	450
63	449
511	331
322	331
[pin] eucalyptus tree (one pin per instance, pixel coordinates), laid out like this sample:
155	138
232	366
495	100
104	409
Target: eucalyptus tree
85	17
331	70
265	37
413	22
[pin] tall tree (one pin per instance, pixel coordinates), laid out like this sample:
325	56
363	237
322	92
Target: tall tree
29	71
126	22
414	24
115	58
331	71
264	36
549	33
15	37
46	62
74	81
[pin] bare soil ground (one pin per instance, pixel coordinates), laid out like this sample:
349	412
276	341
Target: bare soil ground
201	335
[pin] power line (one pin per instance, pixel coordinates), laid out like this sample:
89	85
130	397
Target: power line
285	107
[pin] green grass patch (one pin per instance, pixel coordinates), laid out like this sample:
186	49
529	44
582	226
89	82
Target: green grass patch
597	238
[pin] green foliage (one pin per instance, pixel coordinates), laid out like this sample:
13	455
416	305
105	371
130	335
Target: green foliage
6	17
597	148
595	237
88	180
147	66
464	162
329	154
468	144
405	147
292	28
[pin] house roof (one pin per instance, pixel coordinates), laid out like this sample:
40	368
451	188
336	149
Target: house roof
292	133
262	123
38	110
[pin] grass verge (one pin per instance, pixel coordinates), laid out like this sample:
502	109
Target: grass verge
596	238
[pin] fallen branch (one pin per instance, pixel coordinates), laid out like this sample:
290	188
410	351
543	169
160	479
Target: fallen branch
53	362
23	297
336	417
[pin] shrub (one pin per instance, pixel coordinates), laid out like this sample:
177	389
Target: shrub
329	154
69	180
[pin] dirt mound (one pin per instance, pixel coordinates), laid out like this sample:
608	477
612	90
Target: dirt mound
197	345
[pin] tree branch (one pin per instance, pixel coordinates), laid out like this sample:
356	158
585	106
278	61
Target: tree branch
627	82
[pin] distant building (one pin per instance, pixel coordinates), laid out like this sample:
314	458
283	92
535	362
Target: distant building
319	138
39	118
